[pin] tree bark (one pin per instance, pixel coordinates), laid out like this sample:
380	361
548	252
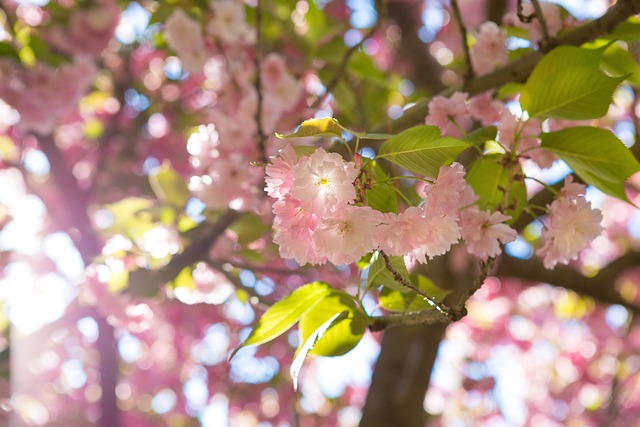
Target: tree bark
402	376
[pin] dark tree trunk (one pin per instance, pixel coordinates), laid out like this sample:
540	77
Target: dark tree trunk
401	377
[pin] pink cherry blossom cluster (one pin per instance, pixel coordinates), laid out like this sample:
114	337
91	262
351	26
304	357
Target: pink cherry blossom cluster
88	30
226	22
453	115
571	225
490	49
317	218
42	94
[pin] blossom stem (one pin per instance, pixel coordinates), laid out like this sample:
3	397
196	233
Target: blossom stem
544	184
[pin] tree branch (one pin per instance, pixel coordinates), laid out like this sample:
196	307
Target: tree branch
342	67
600	287
520	69
424	70
146	283
257	62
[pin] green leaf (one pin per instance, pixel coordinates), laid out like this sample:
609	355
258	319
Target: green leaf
509	89
567	83
619	61
364	261
304	150
379	274
303	351
481	135
184	279
131	216
169	186
327	126
394	300
421	150
627	31
595	155
118	280
382	197
344	334
8	51
489	178
249	228
285	313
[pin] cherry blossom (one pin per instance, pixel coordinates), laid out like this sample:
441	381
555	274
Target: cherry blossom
88	31
228	22
450	192
571	225
483	232
184	36
486	109
490	49
279	175
438	238
324	182
449	114
348	235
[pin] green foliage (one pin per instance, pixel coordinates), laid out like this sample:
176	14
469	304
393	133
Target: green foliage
184	279
304	150
344	334
421	150
8	51
397	300
322	311
285	313
331	323
567	83
382	197
481	135
303	350
491	176
131	216
595	155
249	228
327	126
379	274
628	31
619	61
169	187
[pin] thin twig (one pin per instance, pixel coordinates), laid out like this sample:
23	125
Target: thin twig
257	58
543	22
442	308
485	269
428	317
343	66
262	268
262	302
525	19
463	34
518	70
